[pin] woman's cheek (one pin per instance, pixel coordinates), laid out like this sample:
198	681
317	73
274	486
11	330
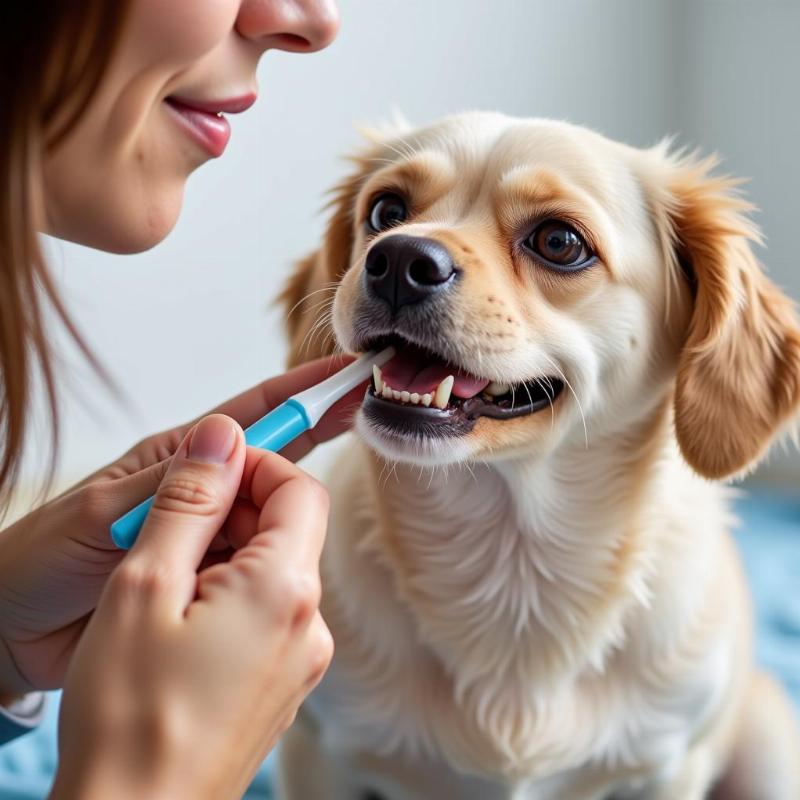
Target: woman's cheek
117	181
179	30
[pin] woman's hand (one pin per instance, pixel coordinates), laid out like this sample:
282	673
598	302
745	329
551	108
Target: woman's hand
182	682
55	562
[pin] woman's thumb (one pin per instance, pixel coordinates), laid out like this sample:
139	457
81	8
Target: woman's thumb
192	501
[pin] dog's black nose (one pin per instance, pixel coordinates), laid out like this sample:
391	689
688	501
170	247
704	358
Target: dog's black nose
406	269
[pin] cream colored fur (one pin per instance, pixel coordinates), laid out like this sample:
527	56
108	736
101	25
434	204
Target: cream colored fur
552	607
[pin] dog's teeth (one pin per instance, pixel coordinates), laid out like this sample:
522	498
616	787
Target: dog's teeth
496	389
405	396
414	397
442	394
386	391
426	399
378	378
396	394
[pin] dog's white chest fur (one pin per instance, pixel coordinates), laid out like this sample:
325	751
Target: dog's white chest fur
483	621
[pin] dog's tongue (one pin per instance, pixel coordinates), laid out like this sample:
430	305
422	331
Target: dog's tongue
412	370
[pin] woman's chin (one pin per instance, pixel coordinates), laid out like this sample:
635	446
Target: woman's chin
125	227
151	232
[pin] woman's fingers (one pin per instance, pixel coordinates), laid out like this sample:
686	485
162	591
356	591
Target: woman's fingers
246	408
254	403
111	492
337	420
89	509
319	644
294	509
276	565
241	524
189	508
265	473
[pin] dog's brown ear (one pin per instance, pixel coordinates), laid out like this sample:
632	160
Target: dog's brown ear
738	378
308	295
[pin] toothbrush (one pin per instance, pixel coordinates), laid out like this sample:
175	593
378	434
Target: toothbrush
283	424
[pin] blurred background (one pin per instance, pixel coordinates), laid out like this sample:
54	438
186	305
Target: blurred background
189	323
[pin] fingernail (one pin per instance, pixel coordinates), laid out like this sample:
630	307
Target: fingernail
212	440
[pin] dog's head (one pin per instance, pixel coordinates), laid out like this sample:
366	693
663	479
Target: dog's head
542	284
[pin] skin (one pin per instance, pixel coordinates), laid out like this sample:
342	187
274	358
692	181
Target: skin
118	183
183	660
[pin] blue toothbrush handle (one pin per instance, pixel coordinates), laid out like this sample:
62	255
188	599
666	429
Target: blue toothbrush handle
125	530
272	432
275	430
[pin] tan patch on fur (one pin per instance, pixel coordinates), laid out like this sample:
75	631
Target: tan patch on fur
531	187
422	179
536	195
567	291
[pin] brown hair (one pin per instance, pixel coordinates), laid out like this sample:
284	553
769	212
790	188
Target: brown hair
53	54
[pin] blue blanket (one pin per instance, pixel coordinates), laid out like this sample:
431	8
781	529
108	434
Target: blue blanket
769	540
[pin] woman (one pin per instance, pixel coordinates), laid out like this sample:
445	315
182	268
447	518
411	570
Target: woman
182	662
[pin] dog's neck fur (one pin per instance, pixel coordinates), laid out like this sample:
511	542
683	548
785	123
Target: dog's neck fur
522	578
532	553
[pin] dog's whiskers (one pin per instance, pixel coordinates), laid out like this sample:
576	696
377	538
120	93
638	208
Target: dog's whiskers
549	392
330	287
316	328
308	338
577	401
323	328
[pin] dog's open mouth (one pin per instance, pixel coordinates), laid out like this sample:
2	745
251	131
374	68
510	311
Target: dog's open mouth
419	391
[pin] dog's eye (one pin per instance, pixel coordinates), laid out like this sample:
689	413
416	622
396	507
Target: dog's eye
559	245
387	210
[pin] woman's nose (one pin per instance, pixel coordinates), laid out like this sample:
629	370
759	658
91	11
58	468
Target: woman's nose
298	25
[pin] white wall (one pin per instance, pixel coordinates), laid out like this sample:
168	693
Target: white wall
187	324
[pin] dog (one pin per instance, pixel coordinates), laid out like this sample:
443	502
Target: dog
529	575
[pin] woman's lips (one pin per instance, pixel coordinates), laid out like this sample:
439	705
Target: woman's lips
203	120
